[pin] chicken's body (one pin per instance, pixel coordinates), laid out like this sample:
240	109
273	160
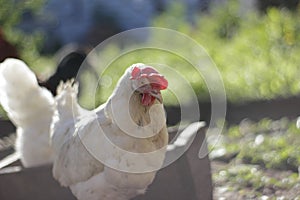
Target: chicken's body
30	107
89	161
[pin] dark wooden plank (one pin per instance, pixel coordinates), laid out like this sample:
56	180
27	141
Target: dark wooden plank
32	183
187	178
6	152
6	128
236	112
200	167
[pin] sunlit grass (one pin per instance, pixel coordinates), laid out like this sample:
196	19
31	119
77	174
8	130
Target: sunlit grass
257	158
269	144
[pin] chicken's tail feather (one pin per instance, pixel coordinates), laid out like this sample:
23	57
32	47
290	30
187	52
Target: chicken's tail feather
70	86
20	95
66	99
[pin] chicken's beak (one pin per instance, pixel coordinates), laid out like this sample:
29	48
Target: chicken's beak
157	95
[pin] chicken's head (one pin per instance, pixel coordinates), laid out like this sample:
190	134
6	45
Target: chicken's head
148	83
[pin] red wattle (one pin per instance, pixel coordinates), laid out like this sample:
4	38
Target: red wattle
147	99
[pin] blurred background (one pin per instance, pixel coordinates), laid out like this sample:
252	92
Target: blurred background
254	43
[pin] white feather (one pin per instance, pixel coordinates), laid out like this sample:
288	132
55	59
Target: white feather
30	108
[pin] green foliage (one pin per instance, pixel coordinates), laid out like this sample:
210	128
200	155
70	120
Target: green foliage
11	11
270	144
241	177
267	157
28	44
278	150
257	55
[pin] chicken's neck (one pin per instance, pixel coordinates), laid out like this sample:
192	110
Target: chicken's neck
138	112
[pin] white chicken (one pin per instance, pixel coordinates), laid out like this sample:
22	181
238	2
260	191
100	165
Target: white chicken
103	154
30	107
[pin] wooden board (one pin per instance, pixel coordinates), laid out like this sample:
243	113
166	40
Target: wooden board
31	183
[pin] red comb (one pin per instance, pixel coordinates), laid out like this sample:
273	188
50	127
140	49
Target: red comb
157	80
135	73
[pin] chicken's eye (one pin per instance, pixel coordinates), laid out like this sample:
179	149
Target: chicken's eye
142	82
